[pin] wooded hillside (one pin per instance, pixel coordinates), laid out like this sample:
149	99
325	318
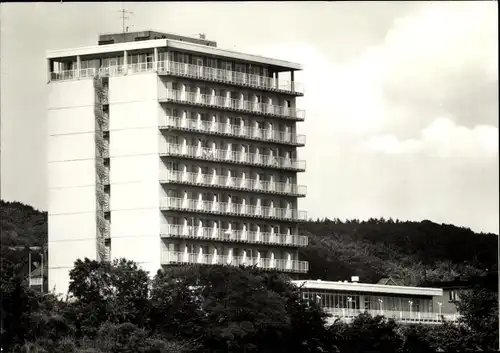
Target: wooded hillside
414	251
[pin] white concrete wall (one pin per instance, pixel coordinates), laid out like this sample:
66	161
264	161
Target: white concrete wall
134	169
71	178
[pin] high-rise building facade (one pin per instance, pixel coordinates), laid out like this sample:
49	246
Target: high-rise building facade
167	150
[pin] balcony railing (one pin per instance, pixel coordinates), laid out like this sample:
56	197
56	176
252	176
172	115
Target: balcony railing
226	182
173	257
187	70
115	70
413	316
228	156
229	208
230	235
245	132
226	103
227	76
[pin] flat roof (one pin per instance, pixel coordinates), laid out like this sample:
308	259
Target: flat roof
168	43
368	288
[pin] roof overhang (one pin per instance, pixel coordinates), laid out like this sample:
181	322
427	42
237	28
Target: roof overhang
369	288
183	46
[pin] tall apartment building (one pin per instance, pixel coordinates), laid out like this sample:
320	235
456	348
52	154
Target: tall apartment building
167	150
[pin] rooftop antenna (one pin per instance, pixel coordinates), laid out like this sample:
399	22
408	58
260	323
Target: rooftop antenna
124	17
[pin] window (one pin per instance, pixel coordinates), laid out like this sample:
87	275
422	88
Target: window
453	295
198	60
212	63
240	68
183	58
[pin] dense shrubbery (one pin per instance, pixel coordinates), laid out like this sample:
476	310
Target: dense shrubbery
115	308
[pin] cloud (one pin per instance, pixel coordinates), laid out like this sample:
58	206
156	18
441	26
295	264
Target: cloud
442	139
407	128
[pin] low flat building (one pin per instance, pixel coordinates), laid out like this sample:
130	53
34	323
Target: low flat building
346	300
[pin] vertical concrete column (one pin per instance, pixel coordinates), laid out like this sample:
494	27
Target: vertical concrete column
125	62
272	184
184	250
198	120
185	230
292	80
244	231
200	202
184	172
243	180
198	95
212	97
229	177
78	67
200	176
214	176
242	101
155	59
229	206
49	70
200	228
215	229
214	126
215	203
229	152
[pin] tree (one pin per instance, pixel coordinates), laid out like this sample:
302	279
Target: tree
416	338
108	292
479	312
368	334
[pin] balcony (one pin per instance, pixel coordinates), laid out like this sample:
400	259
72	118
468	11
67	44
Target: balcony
233	183
228	156
80	74
186	70
229	77
233	236
225	103
173	257
231	209
405	316
242	132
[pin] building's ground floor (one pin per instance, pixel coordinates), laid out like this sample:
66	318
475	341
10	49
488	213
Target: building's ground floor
346	300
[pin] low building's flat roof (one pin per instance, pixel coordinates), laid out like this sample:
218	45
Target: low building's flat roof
368	288
162	43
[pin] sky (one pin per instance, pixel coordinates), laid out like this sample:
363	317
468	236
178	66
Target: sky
401	97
